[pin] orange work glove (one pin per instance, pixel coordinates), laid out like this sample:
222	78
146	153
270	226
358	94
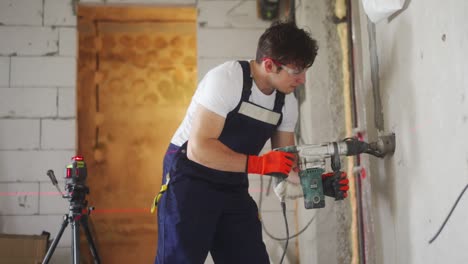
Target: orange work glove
335	187
270	162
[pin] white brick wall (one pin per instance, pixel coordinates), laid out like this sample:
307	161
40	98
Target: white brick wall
28	40
28	102
59	13
58	134
67	102
43	71
68	42
32	165
230	14
19	134
24	200
227	43
228	30
21	12
4	71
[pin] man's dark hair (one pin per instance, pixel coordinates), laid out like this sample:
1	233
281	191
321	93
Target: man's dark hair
284	42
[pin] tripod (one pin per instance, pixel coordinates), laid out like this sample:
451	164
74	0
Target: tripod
76	217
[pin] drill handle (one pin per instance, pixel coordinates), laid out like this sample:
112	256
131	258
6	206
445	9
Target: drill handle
336	167
339	195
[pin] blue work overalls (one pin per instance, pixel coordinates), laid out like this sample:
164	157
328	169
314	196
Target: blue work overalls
206	210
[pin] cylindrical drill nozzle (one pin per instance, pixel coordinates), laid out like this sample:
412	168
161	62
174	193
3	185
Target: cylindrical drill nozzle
383	146
386	144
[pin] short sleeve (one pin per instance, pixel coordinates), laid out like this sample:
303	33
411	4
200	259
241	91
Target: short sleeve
290	114
221	88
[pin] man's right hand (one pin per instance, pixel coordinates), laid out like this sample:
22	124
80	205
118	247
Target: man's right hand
270	162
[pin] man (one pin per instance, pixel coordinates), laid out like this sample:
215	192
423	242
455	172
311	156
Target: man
236	108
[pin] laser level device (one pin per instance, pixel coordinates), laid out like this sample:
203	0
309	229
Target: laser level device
311	161
78	215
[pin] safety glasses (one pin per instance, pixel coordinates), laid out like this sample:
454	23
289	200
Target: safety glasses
293	72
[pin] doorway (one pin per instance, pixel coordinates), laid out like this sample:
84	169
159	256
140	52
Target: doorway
137	70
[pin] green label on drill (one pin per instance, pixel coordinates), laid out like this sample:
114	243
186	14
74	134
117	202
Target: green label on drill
311	181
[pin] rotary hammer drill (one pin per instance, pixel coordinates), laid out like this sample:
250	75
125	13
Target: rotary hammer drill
311	161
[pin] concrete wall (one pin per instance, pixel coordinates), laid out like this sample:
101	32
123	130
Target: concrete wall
38	112
421	66
322	119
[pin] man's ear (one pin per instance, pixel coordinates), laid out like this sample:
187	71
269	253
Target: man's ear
269	66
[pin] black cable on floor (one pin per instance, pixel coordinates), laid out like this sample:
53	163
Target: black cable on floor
448	216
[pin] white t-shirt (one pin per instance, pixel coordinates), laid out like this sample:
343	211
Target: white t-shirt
220	92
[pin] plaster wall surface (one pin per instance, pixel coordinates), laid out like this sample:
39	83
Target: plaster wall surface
422	67
322	119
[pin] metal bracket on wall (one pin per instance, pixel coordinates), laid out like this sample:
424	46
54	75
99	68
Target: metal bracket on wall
378	114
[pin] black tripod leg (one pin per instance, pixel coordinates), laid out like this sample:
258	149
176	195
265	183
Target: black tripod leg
92	246
76	241
52	247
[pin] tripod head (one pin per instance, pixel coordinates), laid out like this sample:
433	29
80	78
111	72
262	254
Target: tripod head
75	183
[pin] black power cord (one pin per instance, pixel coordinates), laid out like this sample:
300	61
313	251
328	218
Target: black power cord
283	206
448	216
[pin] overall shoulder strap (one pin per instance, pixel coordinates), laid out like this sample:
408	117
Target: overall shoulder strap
279	102
247	83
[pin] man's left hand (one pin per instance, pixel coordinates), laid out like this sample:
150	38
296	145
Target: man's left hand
336	187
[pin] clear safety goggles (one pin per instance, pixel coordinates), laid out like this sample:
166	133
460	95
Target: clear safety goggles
290	71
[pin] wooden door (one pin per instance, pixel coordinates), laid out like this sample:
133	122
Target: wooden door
137	73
